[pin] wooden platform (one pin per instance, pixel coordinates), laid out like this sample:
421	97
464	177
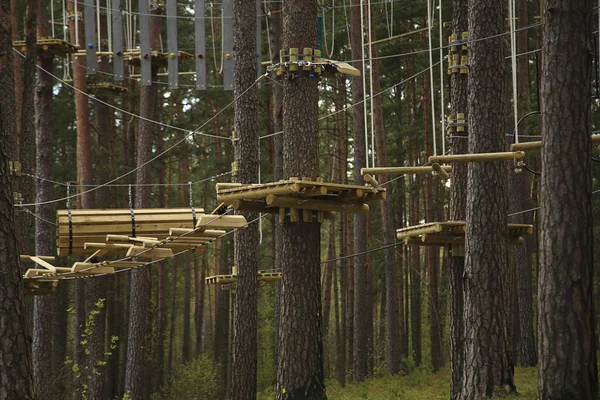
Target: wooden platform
48	45
39	287
452	233
318	200
134	56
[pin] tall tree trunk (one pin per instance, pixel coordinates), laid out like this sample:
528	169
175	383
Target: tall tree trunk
488	361
84	177
300	373
97	288
161	303
172	322
519	194
432	253
25	82
221	343
140	311
43	307
566	328
349	265
359	356
277	110
15	363
414	266
392	323
458	197
245	318
199	305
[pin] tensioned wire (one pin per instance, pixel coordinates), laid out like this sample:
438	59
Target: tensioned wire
190	133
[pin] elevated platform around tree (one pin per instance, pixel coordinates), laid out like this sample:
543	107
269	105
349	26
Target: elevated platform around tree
56	46
318	200
160	59
229	281
452	233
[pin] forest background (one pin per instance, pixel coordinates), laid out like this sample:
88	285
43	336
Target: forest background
190	341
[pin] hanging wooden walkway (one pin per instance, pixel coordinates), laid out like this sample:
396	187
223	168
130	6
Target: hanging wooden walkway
135	236
318	200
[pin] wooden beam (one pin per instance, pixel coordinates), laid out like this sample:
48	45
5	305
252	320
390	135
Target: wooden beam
402	170
126	219
527	146
479	157
442	173
316	205
259	192
126	211
25	258
91	268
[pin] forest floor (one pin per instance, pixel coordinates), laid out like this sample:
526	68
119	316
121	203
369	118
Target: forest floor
419	385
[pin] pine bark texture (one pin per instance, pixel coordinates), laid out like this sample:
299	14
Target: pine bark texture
359	322
140	307
15	363
300	374
245	319
523	254
567	341
458	197
488	367
43	306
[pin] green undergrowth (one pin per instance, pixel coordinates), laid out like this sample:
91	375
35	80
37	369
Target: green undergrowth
418	385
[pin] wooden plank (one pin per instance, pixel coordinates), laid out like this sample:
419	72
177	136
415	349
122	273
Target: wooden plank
350	195
221	222
43	263
26	258
44	272
142	252
125	219
91	268
212	233
416	170
479	157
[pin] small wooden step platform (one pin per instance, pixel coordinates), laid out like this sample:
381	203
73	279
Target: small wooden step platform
106	88
134	56
452	233
264	277
318	200
48	44
39	287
